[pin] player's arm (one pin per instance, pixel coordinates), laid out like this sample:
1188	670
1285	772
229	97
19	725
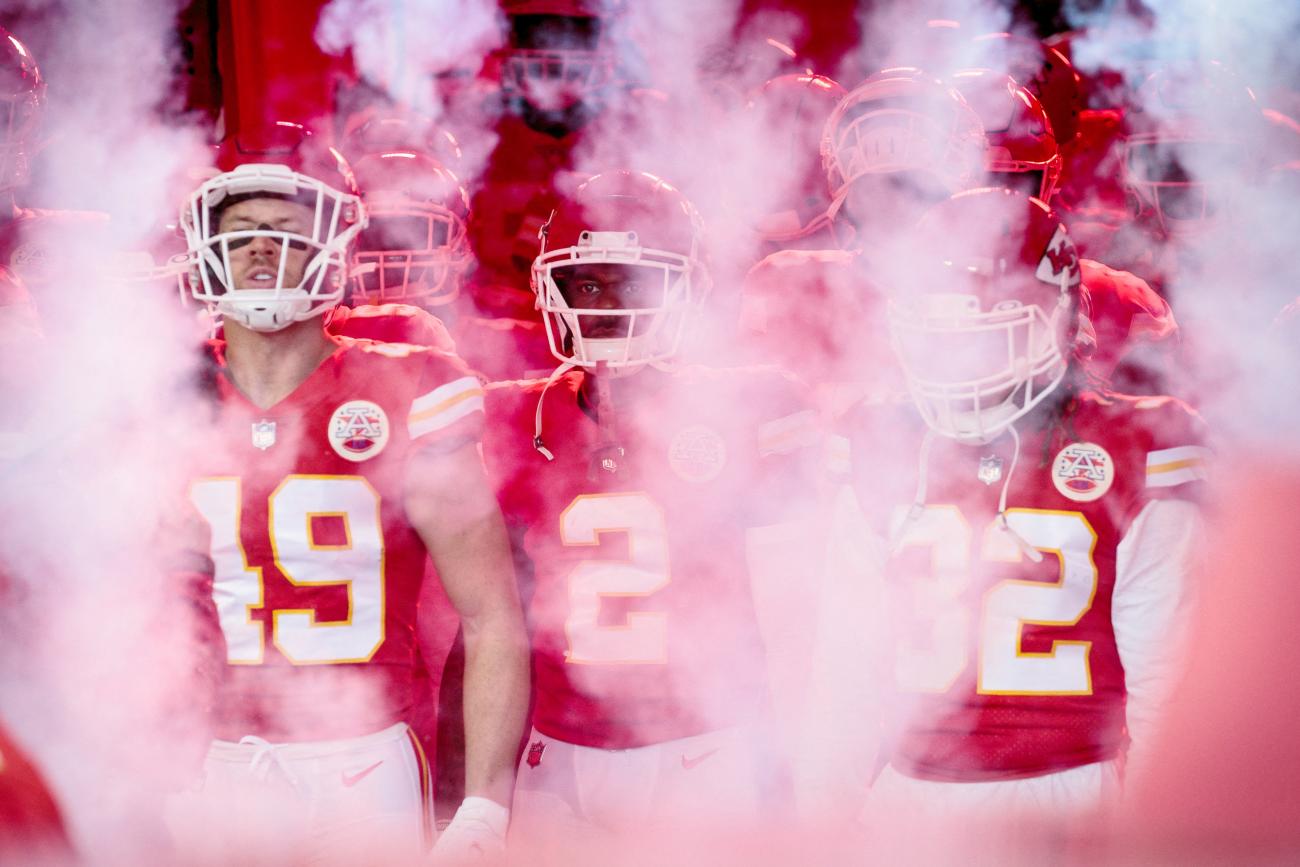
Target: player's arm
451	505
1151	610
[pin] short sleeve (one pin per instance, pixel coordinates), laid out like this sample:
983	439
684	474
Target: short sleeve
447	411
1177	458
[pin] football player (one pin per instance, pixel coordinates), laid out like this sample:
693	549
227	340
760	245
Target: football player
1129	334
559	90
897	144
648	499
792	109
414	256
1037	539
336	468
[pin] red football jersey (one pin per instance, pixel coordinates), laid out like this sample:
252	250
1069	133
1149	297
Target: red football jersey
1007	667
31	829
318	572
642	622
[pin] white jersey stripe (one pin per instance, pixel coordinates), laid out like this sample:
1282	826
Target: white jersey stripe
788	434
446	404
1167	468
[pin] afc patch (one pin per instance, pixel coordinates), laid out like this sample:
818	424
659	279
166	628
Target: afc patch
1083	472
697	453
358	430
535	753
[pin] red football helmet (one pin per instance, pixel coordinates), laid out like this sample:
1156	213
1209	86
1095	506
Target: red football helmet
639	223
415	247
1192	142
1022	152
790	112
281	162
984	318
376	132
902	121
22	101
557	54
1045	72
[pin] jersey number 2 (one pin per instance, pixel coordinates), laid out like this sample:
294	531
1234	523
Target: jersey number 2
643	637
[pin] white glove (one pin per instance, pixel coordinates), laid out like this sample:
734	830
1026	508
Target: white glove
476	834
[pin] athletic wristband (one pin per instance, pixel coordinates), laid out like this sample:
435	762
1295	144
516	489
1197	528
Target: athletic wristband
494	817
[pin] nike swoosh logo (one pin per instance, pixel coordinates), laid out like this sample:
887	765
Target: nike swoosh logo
350	780
687	764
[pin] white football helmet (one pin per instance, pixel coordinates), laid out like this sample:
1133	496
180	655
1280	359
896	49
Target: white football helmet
285	169
984	327
626	219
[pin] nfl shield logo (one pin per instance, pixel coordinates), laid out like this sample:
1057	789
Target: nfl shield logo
263	434
990	469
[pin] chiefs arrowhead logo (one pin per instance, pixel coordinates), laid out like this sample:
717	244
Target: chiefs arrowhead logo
1059	258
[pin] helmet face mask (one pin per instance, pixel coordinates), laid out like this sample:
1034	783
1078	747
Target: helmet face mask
586	332
556	61
899	121
415	247
409	254
1191	148
1023	153
1175	179
972	372
310	244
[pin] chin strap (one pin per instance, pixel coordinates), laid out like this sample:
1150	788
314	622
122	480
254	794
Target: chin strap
1027	549
537	419
918	503
604	419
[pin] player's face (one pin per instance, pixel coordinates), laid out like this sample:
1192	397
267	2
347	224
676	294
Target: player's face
255	262
991	352
955	358
881	204
610	286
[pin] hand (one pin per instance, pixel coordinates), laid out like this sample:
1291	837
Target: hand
476	835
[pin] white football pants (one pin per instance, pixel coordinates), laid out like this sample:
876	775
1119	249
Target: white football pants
354	801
